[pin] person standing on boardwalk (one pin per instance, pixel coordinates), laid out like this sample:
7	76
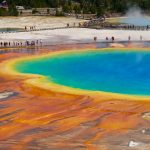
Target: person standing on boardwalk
129	38
37	42
95	38
113	39
1	44
141	38
14	44
79	24
67	25
41	42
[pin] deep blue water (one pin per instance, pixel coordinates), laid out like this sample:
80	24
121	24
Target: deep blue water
110	71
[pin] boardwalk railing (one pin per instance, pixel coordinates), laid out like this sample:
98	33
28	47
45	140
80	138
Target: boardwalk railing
39	29
51	47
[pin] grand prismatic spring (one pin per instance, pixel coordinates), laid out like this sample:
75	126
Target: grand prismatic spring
71	92
124	72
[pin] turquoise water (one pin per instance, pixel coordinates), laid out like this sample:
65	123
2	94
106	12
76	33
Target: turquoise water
10	29
110	71
137	21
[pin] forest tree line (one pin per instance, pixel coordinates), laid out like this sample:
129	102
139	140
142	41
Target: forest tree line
98	7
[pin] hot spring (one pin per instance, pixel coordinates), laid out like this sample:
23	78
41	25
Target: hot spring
10	29
137	21
135	16
115	71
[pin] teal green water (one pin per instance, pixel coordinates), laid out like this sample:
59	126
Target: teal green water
110	71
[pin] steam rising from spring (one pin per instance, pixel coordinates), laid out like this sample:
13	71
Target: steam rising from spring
134	12
135	16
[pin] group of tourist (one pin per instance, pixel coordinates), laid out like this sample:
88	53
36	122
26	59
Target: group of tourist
93	22
34	43
107	39
73	25
21	43
31	28
124	27
141	38
10	44
104	25
112	39
98	23
84	24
